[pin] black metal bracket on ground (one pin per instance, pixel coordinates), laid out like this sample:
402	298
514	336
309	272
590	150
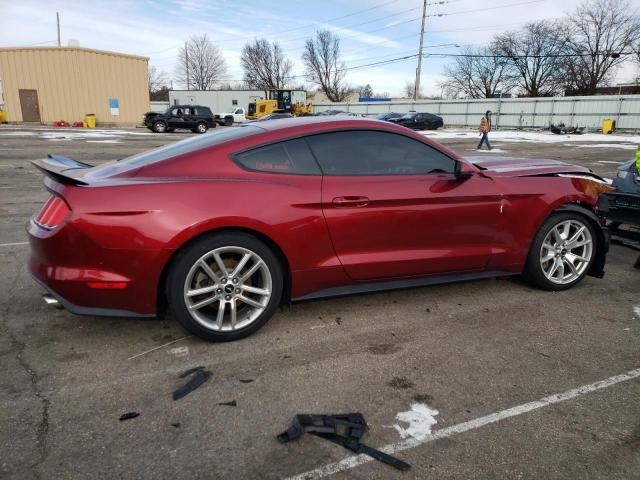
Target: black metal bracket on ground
342	429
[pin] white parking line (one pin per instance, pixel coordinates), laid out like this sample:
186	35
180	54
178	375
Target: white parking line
355	460
13	244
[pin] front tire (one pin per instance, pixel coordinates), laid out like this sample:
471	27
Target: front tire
159	127
562	252
225	286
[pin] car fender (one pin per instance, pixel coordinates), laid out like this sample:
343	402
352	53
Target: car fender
220	223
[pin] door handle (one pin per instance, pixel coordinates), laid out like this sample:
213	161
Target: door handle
351	201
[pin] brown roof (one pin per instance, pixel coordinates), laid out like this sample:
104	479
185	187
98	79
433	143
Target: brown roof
82	49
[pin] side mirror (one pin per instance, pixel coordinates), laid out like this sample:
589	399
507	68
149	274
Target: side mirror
460	174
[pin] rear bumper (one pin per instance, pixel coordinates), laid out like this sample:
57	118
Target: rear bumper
89	279
95	311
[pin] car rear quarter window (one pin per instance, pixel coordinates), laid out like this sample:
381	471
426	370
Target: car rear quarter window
290	157
374	152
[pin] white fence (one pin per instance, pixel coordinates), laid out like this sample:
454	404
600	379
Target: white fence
514	112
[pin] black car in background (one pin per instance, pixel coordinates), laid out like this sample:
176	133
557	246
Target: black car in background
196	118
419	121
387	117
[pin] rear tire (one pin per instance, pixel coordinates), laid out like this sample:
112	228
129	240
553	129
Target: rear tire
228	121
562	252
223	305
201	128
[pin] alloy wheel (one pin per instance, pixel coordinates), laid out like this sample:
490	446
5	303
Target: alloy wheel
228	288
566	252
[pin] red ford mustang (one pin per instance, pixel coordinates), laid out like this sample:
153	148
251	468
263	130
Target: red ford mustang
229	225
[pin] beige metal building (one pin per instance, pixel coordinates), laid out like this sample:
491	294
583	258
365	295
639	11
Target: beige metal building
46	84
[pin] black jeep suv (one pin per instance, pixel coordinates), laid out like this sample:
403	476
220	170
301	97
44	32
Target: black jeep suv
196	118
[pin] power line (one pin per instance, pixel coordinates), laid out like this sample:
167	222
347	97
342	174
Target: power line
497	7
319	23
307	25
516	57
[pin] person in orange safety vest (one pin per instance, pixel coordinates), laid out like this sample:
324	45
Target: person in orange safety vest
485	128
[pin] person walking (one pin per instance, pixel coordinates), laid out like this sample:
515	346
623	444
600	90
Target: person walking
485	128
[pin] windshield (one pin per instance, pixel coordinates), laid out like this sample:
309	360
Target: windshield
408	115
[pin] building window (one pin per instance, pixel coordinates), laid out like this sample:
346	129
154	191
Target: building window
234	102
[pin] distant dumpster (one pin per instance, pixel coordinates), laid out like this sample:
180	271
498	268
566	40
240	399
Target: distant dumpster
91	120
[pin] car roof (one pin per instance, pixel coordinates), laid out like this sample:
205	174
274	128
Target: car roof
326	122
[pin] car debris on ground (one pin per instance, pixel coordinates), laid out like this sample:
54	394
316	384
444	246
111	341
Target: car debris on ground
342	429
198	376
128	416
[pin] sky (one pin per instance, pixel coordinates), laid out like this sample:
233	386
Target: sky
370	31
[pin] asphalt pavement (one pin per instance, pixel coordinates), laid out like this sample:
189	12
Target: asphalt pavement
477	352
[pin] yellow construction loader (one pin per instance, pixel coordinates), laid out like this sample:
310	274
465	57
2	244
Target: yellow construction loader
277	101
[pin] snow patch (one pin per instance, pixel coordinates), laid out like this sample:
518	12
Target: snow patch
493	150
103	141
636	311
625	146
420	419
17	134
537	137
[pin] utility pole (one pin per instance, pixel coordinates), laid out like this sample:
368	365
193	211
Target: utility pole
186	62
58	23
416	85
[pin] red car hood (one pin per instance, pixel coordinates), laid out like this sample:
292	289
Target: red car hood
521	167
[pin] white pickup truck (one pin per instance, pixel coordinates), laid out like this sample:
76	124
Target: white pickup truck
231	116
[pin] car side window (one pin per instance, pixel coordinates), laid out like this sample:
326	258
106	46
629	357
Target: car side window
371	152
290	156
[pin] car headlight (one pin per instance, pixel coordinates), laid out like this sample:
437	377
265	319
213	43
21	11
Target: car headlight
622	173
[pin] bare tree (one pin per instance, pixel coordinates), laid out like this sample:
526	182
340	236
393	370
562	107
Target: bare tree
536	53
365	91
479	73
200	64
599	32
231	86
323	66
265	65
156	79
409	88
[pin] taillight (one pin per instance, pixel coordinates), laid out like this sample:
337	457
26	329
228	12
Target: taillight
52	213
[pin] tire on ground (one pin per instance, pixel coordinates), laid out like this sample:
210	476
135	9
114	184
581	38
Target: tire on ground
533	272
186	258
159	127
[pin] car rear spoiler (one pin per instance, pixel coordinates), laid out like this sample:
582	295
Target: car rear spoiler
62	169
